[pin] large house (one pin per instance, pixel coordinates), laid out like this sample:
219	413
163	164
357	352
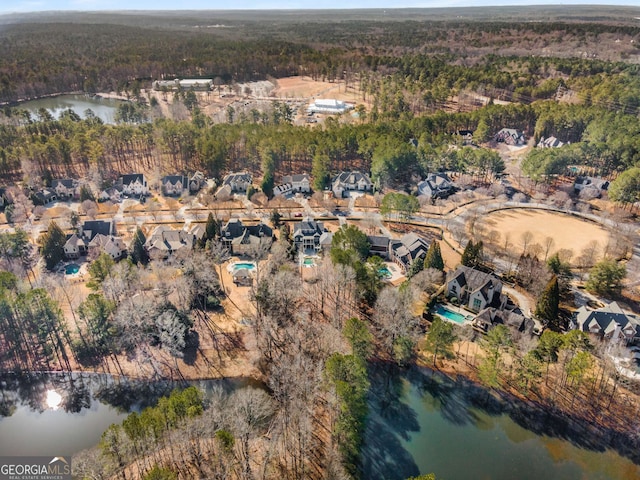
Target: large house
379	245
609	322
410	248
595	185
196	182
44	196
237	182
307	234
293	184
490	317
511	136
549	142
245	239
113	194
346	182
330	106
165	241
134	184
436	185
174	185
95	237
66	188
475	289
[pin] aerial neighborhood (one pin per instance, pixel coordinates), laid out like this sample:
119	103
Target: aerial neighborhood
278	247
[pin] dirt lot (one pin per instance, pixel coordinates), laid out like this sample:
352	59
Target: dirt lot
567	231
305	87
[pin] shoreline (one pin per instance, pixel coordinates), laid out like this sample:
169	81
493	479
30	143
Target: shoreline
102	95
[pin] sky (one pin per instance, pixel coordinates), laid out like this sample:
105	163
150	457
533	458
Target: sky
11	6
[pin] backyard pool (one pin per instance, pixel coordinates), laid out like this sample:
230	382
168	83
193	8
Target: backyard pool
71	269
308	262
449	314
385	273
234	267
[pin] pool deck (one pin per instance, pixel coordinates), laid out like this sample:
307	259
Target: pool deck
468	316
232	265
397	277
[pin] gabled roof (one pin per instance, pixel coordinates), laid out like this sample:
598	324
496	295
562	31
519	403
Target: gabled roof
307	228
91	228
380	241
605	320
241	177
297	178
166	239
174	179
235	230
351	178
131	178
73	241
474	279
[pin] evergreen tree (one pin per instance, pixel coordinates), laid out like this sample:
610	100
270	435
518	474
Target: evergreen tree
138	252
52	245
468	255
433	259
605	278
547	306
211	230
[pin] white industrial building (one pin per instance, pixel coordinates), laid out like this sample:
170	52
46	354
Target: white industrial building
329	106
186	84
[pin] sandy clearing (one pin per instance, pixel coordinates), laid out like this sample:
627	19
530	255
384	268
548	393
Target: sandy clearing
567	231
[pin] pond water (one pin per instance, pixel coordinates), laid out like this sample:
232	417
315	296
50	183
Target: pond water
420	424
83	406
103	108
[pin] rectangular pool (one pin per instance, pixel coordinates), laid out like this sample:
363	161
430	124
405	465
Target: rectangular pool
449	314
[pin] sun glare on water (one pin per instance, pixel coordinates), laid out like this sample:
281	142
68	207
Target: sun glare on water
53	399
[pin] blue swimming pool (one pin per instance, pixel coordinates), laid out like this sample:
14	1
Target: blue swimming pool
71	269
384	272
449	314
247	265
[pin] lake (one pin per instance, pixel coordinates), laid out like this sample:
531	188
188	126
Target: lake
103	108
88	404
420	424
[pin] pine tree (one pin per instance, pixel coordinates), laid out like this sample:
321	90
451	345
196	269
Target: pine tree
211	230
433	259
138	252
468	255
52	248
547	306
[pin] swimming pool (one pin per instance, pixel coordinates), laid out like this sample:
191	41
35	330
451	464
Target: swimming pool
238	265
385	273
449	314
71	269
309	262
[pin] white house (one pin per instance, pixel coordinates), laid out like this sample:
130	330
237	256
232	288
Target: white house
410	248
475	289
330	106
238	182
134	184
350	181
306	234
174	185
511	136
293	184
196	182
550	142
113	194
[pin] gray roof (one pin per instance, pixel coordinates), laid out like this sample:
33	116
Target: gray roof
307	228
131	178
606	319
174	179
94	227
299	177
475	280
351	178
243	177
